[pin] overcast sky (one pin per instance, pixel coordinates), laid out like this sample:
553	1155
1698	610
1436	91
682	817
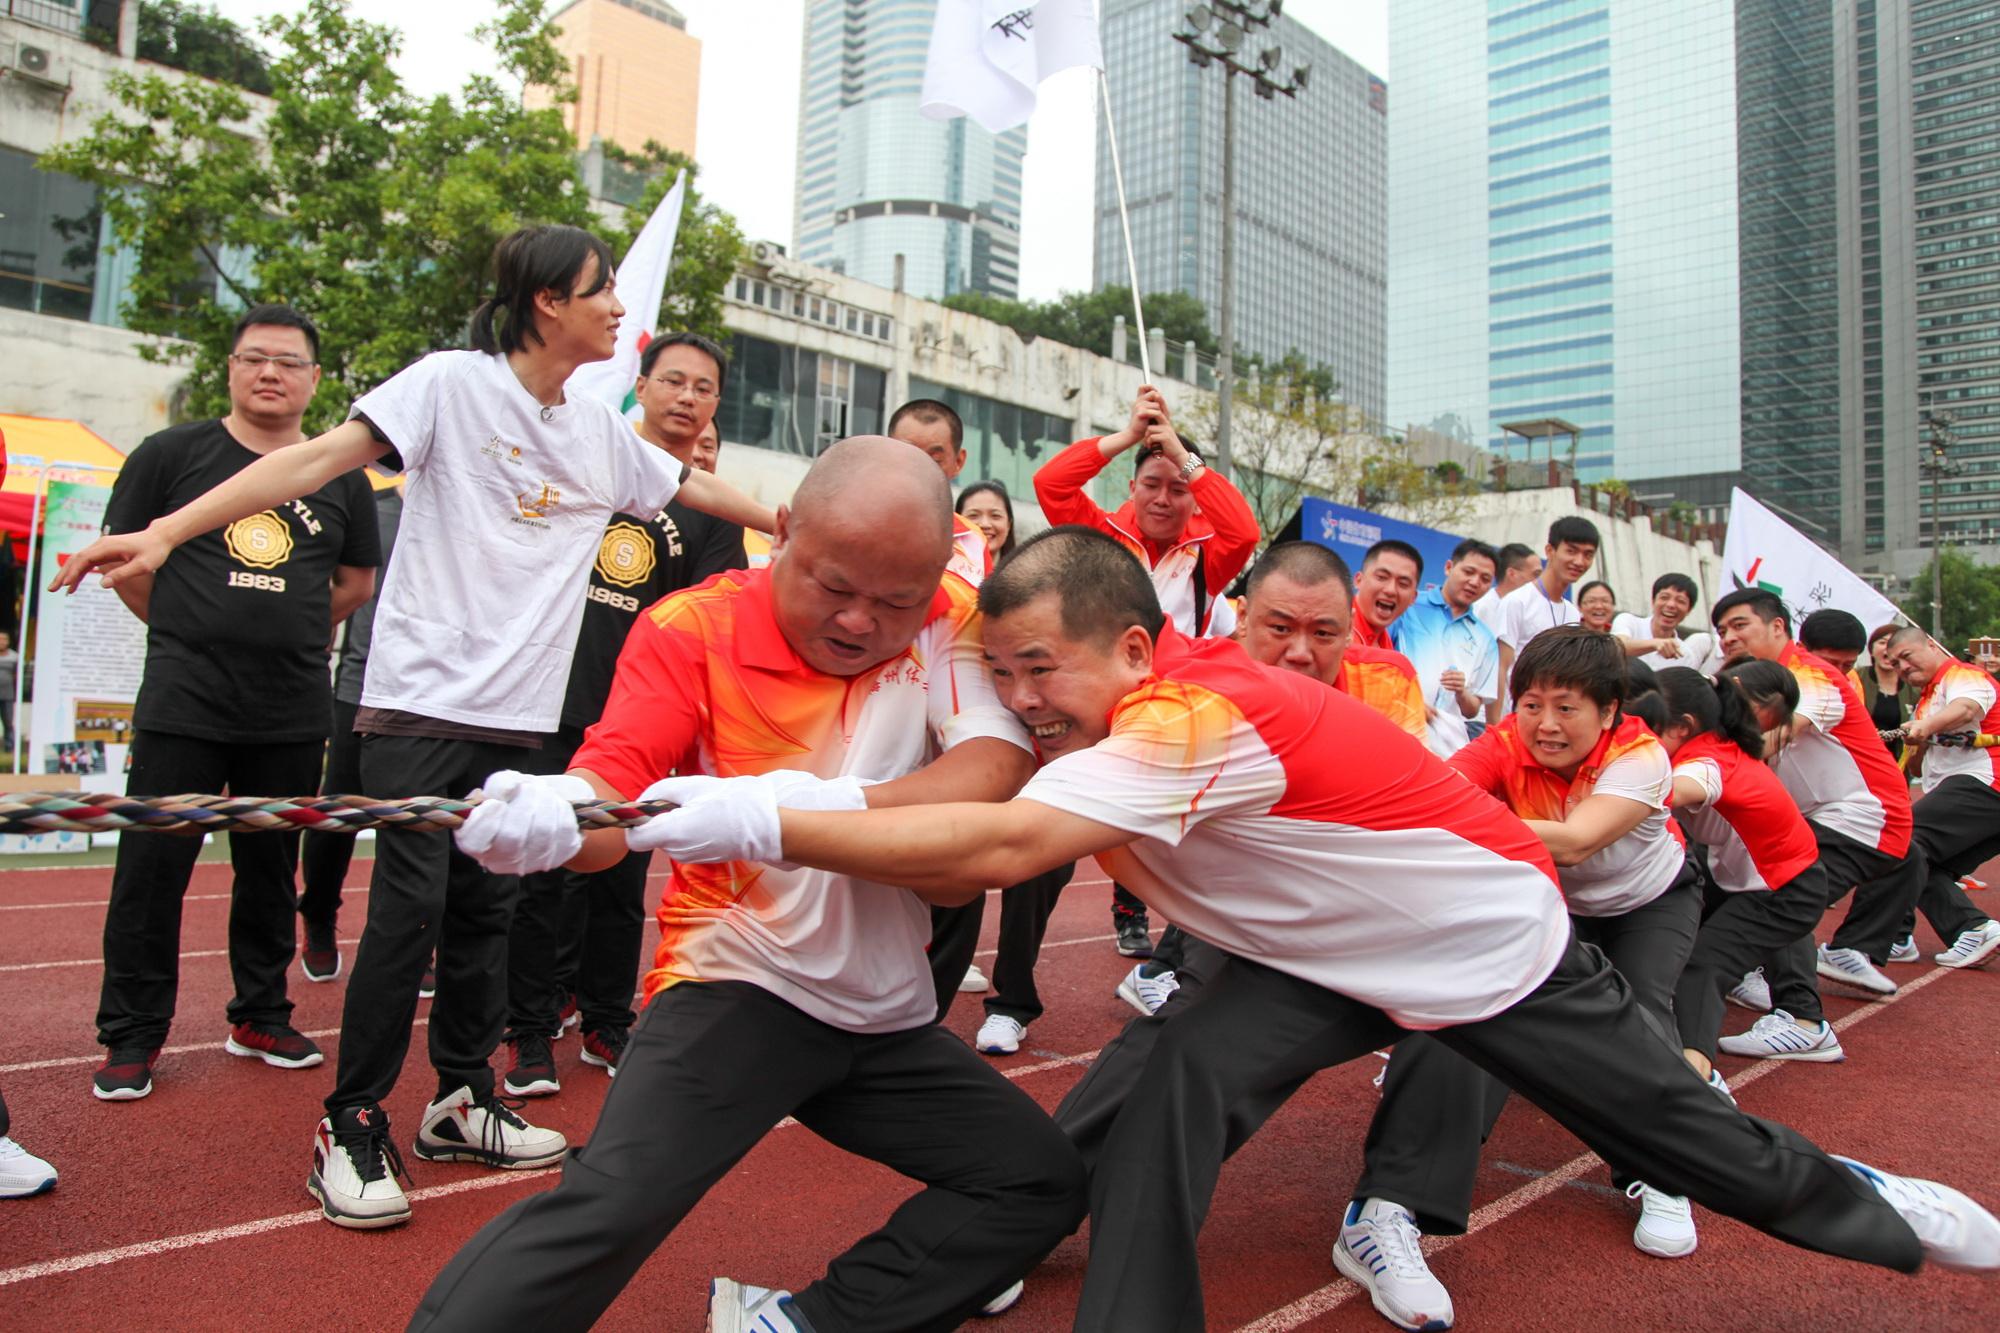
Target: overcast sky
750	100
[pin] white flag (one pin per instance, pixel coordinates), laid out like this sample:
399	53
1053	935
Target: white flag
988	57
642	284
1764	551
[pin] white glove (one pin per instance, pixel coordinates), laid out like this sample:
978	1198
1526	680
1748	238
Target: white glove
720	819
525	824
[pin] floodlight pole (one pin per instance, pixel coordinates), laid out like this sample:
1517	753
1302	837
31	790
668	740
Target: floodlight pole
1225	359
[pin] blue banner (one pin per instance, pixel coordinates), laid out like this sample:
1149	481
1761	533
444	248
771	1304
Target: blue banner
1352	531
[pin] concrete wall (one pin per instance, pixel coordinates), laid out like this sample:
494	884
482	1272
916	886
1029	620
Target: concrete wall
84	372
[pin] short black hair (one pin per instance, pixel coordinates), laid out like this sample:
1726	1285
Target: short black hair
1102	587
277	315
1306	563
1575	531
1393	546
1831	627
527	263
1146	453
1473	546
708	347
1767	606
997	488
928	410
1682	584
1512	554
1584	591
1574	658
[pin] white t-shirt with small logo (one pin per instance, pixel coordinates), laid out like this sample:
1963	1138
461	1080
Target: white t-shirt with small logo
502	518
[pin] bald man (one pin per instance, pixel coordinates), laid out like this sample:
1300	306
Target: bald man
852	671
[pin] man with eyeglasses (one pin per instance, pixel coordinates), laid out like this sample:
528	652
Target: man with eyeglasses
587	931
236	696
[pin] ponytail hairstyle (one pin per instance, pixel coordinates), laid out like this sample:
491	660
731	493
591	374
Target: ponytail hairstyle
527	263
1753	684
1642	695
1712	708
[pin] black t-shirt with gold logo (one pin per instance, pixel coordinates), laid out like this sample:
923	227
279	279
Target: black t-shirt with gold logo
639	562
240	618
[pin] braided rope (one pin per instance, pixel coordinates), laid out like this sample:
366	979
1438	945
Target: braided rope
54	812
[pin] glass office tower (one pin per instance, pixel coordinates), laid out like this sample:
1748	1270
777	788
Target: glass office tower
876	179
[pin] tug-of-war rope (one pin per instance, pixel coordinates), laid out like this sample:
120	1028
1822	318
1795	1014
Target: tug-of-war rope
57	812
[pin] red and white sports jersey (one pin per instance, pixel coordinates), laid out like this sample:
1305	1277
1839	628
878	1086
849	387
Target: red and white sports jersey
1759	838
1954	681
1838	771
1385	680
709	671
970	558
1627	761
1289	823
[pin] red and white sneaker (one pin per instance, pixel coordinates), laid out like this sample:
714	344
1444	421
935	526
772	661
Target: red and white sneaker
463	1128
125	1076
277	1044
605	1047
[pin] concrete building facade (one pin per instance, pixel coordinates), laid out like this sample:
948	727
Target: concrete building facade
637	71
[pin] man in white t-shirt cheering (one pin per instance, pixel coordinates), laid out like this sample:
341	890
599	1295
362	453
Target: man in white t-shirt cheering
1656	638
1359	901
511	482
779	991
1544	602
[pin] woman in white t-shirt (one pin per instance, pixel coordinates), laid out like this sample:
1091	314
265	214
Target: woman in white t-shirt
511	482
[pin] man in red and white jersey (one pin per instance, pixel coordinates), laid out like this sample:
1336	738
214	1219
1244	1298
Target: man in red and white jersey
1189	527
1849	789
1958	820
776	990
1362	890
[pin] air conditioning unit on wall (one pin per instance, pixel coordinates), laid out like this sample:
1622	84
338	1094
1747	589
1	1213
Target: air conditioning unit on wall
31	64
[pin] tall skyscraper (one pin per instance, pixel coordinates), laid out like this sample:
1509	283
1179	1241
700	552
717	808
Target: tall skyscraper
1310	185
637	72
877	180
1953	48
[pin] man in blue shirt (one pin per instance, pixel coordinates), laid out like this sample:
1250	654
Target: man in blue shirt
1456	656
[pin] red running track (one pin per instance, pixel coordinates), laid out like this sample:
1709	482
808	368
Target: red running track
188	1210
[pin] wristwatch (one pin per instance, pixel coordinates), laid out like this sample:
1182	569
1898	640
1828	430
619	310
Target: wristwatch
1192	466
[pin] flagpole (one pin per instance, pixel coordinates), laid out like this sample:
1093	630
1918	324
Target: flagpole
1125	221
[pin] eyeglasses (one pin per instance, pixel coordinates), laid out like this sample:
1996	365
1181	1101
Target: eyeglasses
254	361
675	382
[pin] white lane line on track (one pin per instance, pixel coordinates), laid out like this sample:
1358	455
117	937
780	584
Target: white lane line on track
106	902
99	962
1336	1294
265	1225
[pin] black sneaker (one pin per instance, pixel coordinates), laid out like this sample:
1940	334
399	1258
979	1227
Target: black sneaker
605	1047
1134	940
427	989
534	1070
320	959
126	1074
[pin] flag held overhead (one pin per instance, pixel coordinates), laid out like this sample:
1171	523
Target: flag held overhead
989	57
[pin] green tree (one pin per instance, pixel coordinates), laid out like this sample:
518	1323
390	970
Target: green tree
1084	319
199	40
1971	600
373	210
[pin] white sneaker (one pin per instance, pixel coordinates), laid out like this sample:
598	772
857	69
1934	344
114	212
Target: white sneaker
1778	1036
462	1129
1956	1232
736	1307
1852	967
1904	950
1004	1302
1381	1249
974	981
999	1035
1753	992
1147	994
1666	1222
22	1174
1972	947
354	1173
1720	1086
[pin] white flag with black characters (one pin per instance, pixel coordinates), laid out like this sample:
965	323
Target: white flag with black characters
989	57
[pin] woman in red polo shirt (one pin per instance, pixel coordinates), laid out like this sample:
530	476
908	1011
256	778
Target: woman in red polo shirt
1767	886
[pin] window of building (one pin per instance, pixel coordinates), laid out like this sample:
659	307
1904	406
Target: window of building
49	230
